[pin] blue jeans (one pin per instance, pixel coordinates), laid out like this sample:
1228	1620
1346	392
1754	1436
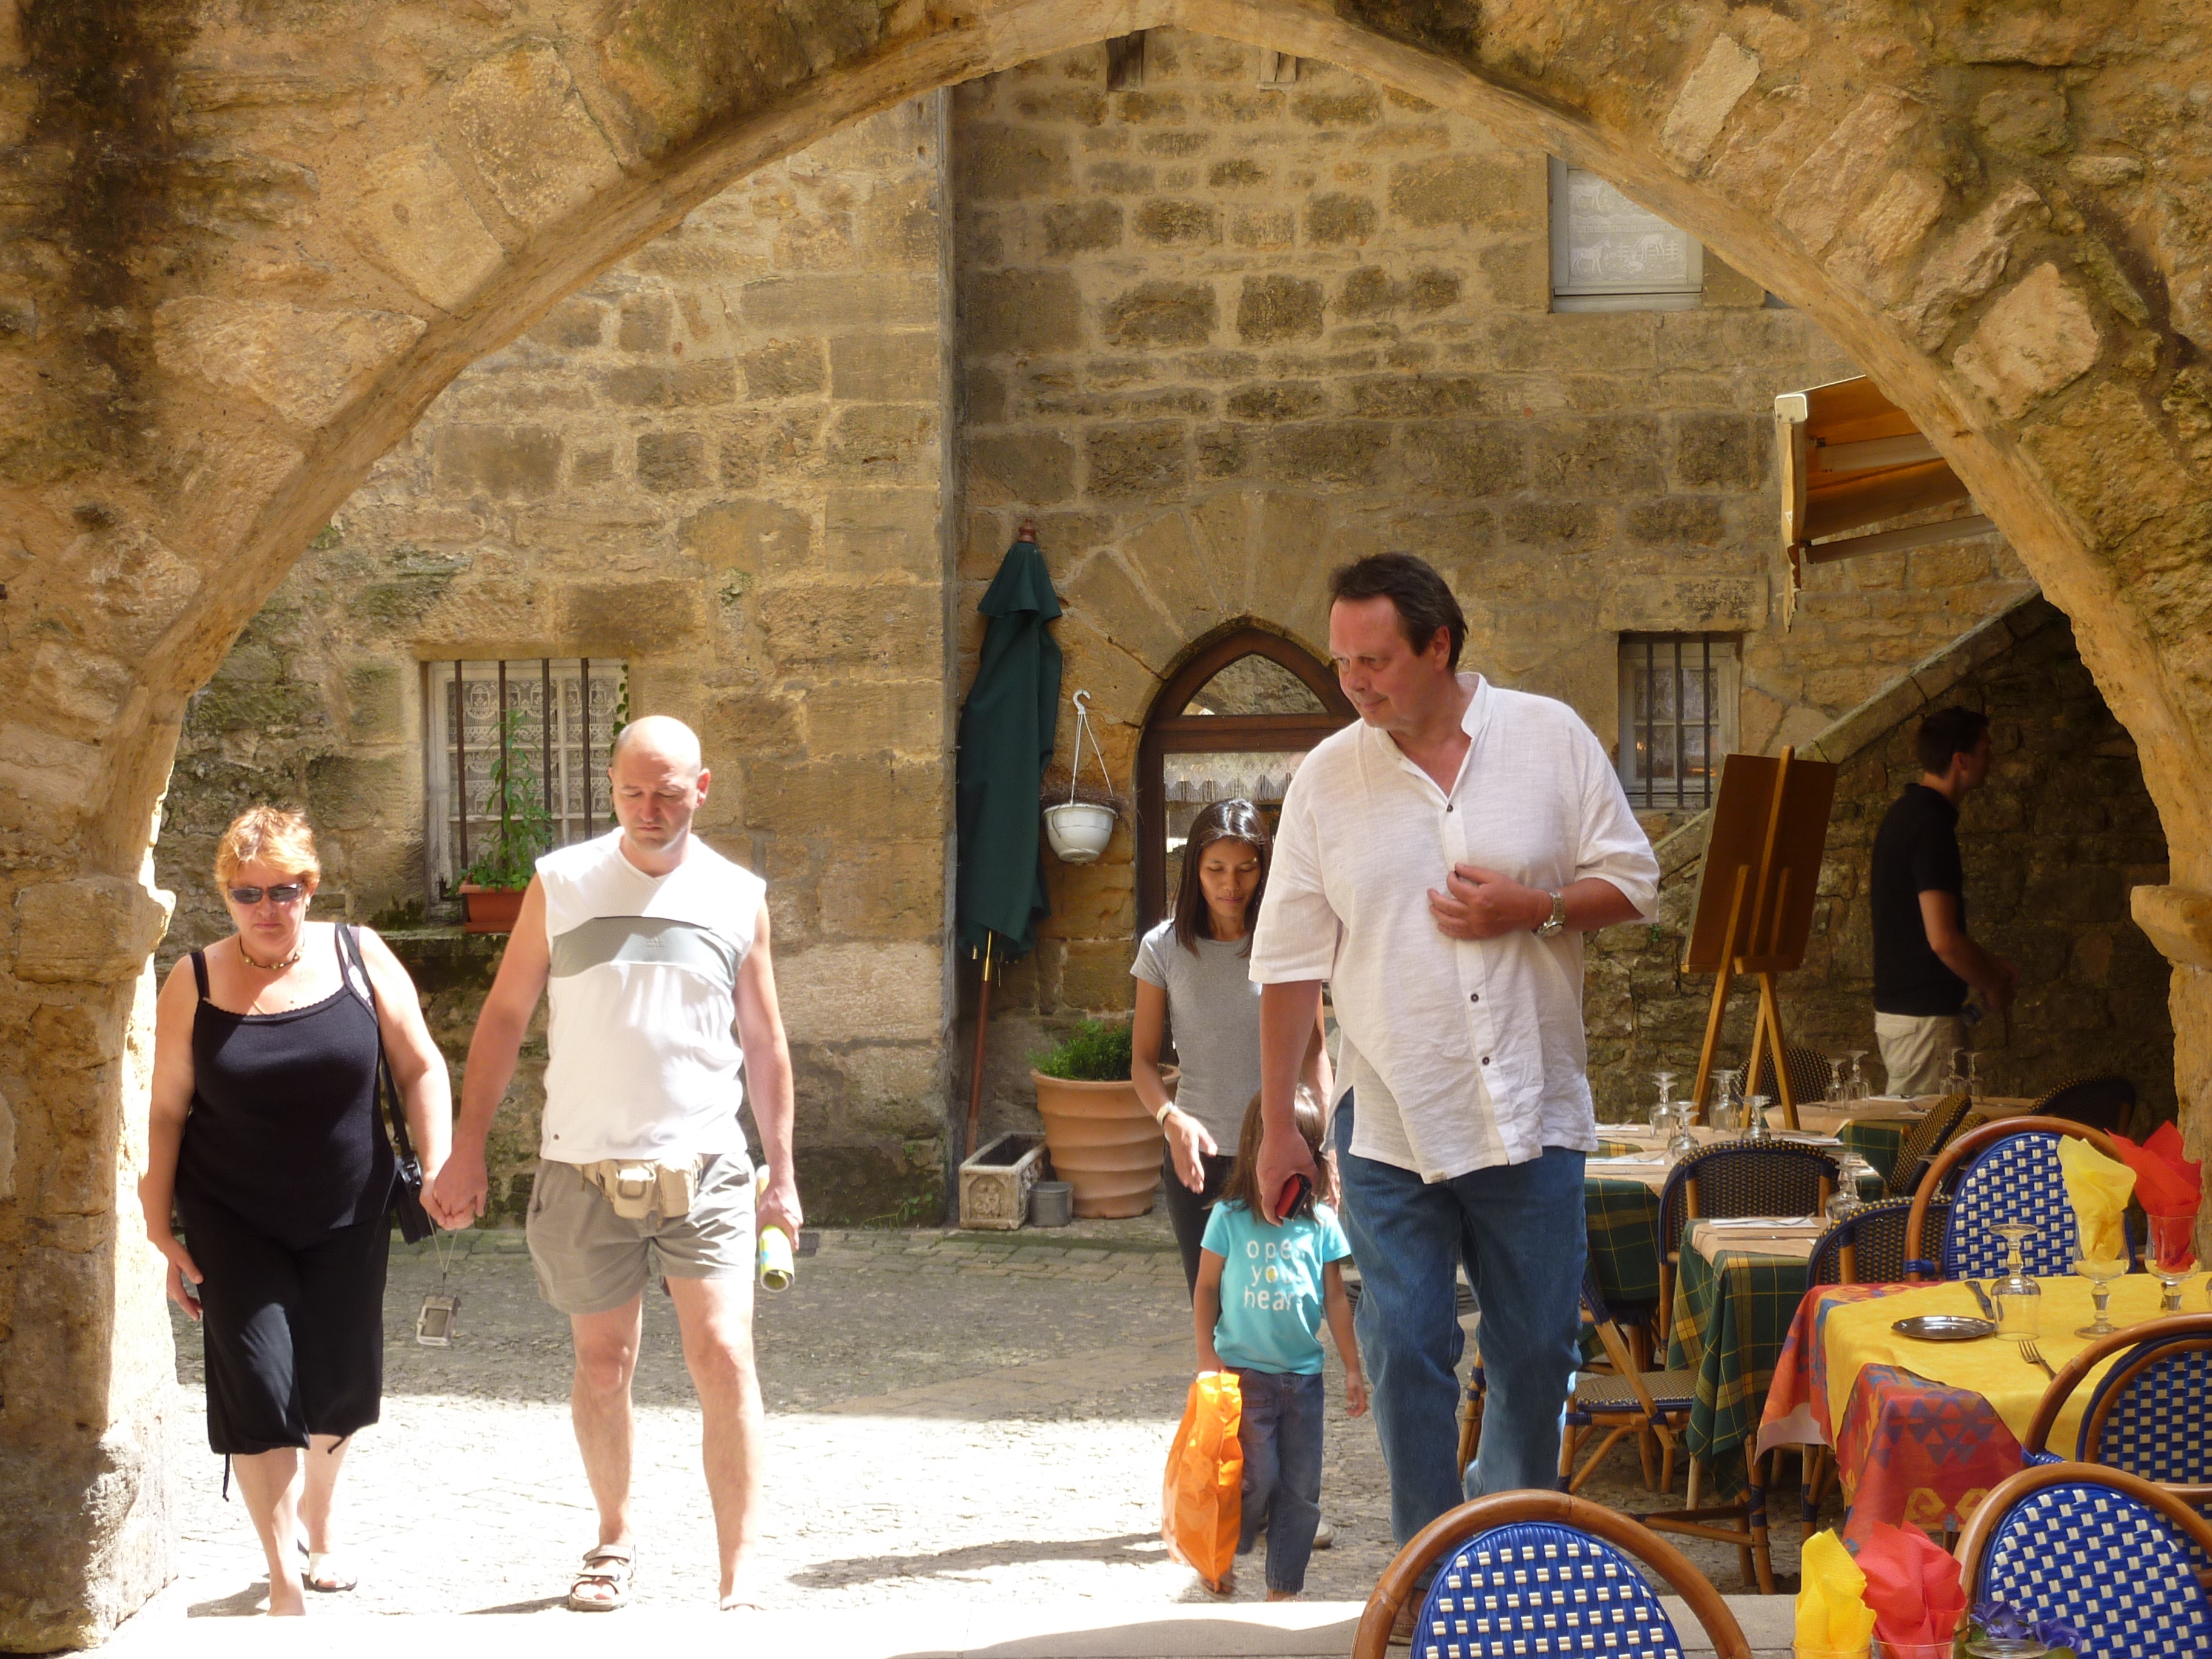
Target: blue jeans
1520	1230
1280	1433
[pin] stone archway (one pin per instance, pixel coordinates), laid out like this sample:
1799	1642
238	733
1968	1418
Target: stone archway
251	247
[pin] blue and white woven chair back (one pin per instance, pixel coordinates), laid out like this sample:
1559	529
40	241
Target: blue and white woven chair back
2015	1179
2159	1425
2107	1566
1540	1587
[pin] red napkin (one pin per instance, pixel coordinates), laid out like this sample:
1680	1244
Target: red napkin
2167	1183
1912	1585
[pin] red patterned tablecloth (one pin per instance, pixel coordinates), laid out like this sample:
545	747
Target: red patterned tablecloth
1909	1448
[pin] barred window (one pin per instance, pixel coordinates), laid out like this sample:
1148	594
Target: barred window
482	713
1608	254
1678	717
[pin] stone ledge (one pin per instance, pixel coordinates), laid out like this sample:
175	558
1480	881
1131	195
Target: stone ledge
1069	1629
2178	921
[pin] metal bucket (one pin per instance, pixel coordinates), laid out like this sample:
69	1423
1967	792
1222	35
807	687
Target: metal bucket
1052	1204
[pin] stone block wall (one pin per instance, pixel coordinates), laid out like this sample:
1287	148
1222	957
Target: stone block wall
2053	841
723	462
1219	337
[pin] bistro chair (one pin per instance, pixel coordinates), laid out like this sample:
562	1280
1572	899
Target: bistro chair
2006	1170
1729	1178
2105	1102
1867	1247
2151	1414
1952	1116
2105	1551
1807	1070
1653	1405
1528	1573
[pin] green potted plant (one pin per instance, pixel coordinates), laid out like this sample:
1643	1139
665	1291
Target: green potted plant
1101	1140
491	887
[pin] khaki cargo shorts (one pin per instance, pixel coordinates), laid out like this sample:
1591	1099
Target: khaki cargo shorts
589	1259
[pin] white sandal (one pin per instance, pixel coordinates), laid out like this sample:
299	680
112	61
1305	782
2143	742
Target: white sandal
611	1567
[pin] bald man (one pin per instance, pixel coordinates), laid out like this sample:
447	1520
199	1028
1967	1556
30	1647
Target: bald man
656	949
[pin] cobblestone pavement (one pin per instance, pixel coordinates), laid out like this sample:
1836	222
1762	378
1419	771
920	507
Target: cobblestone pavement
953	1417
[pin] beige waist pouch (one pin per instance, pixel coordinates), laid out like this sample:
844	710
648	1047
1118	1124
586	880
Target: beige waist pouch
638	1187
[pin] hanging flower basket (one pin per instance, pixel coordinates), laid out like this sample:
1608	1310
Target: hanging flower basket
1079	827
1078	831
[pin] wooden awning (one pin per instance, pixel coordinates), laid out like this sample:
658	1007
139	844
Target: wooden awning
1852	458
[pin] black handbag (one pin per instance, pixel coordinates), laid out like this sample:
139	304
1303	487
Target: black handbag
415	1222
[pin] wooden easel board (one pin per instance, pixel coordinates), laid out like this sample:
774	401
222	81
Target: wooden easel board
1776	921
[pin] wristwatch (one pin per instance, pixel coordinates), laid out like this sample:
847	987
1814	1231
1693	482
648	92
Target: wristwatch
1556	923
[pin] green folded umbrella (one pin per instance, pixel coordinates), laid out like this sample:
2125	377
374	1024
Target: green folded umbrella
1006	743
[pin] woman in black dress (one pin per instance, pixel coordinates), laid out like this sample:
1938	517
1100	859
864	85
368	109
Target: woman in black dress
265	1138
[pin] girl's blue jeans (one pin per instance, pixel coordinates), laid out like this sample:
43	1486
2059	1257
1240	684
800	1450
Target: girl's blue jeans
1280	1434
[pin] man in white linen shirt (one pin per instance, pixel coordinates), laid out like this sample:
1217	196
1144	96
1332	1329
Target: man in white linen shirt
1437	864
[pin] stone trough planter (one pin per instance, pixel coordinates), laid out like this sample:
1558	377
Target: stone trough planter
995	1182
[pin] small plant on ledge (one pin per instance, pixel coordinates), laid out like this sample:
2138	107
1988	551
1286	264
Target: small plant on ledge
491	887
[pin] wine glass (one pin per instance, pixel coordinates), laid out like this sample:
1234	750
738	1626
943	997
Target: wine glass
2173	1254
1973	1074
1663	1111
2017	1298
1681	1143
1850	1175
1719	1112
2100	1271
1754	1109
1955	1080
1858	1076
1838	1070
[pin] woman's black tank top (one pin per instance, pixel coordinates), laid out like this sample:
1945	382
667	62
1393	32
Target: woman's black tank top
283	1130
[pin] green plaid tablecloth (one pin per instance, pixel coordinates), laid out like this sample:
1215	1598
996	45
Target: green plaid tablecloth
1624	1240
1877	1139
1727	1325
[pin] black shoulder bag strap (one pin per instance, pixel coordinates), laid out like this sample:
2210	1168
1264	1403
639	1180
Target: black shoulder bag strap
415	1224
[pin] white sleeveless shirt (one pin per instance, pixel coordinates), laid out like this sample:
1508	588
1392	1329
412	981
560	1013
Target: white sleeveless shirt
644	1052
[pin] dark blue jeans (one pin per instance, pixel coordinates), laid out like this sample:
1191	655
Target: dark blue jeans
1280	1433
1520	1229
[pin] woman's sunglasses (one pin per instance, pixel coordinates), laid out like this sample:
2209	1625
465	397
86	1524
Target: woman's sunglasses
288	893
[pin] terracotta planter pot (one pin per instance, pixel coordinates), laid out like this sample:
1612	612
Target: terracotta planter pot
489	909
1103	1142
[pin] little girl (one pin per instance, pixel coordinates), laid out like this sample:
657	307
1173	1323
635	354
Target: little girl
1262	1290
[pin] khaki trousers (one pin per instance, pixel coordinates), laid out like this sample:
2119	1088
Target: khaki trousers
1916	1049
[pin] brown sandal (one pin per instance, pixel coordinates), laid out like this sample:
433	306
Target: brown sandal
610	1567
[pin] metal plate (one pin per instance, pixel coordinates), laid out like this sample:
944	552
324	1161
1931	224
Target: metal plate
1944	1328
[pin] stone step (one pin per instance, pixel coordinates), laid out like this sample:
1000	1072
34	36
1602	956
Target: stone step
1067	1629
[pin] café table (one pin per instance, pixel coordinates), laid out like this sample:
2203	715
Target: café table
1621	1189
1923	1430
1736	1290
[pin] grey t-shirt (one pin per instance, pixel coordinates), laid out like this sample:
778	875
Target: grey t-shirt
1213	1009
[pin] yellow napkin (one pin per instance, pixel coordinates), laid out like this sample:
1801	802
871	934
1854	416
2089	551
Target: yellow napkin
1833	1616
2099	1188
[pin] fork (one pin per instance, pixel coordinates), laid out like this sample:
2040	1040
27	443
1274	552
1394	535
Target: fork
2033	1355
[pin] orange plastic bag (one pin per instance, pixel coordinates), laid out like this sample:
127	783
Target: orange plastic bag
1202	1500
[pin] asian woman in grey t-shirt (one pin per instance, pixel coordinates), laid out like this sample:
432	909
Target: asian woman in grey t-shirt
1191	974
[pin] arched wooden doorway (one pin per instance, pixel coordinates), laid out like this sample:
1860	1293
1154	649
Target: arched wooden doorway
1235	719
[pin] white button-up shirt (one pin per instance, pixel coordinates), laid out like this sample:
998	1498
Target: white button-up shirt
1460	1054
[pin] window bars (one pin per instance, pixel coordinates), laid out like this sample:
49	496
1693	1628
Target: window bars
1673	693
567	752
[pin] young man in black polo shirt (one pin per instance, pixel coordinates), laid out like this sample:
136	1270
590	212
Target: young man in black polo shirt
1924	962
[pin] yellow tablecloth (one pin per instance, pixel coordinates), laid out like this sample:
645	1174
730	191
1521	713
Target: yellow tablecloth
1858	1334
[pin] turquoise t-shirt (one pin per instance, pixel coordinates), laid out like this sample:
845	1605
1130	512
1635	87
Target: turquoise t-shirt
1272	1304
